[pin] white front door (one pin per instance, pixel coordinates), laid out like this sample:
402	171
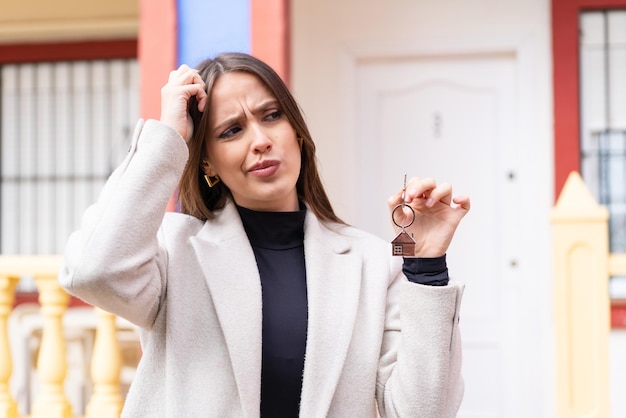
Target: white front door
453	118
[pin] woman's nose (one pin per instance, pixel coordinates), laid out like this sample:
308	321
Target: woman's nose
261	142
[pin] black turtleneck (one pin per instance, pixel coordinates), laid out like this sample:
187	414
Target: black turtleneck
277	239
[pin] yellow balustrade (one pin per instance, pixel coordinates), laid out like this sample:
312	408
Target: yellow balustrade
581	302
106	366
52	360
106	363
8	407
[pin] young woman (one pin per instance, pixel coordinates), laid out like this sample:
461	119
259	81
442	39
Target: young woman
257	300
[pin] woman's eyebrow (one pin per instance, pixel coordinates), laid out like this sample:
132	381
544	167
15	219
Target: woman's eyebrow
230	119
264	105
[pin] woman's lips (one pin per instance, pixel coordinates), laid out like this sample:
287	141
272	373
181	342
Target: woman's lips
264	168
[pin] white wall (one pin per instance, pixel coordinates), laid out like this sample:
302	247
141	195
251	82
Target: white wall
618	372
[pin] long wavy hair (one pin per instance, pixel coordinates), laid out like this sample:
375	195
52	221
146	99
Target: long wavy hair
196	198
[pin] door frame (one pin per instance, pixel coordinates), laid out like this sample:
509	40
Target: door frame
533	133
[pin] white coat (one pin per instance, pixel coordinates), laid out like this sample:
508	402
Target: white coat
193	287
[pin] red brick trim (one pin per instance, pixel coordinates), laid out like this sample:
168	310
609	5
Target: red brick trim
68	51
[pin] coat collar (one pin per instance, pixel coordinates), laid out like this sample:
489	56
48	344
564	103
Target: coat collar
333	281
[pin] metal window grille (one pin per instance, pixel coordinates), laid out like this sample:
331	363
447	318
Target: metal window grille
606	164
603	114
64	127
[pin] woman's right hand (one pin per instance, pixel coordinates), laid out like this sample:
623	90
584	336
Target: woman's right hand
183	83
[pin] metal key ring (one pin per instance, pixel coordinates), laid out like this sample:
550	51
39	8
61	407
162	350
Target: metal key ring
394	219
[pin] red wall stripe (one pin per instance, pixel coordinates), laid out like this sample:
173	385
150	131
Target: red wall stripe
270	33
566	83
67	51
157	51
157	56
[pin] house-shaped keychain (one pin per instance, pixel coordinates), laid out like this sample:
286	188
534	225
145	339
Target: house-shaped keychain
403	244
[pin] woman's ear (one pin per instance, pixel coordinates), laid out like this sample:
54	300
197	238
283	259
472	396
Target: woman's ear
210	176
206	168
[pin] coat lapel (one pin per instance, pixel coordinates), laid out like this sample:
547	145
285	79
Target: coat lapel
333	283
231	273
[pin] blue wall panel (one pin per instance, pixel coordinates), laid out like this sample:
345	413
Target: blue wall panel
208	27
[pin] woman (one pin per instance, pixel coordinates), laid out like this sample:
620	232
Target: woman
257	300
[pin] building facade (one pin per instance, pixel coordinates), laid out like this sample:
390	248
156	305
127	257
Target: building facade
483	94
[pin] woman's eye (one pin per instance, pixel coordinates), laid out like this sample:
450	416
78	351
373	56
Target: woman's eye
229	132
274	115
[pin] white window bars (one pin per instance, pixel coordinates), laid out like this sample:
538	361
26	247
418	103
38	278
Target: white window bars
64	127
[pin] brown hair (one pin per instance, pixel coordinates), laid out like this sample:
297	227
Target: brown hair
200	200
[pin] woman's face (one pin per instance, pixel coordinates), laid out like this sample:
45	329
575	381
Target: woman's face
251	145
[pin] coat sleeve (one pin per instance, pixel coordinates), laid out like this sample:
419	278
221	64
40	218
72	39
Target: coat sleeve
420	364
114	260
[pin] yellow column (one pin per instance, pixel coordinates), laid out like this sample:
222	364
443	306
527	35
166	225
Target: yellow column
52	360
106	366
8	407
581	302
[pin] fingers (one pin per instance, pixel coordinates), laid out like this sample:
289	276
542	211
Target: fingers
419	188
426	191
183	84
188	81
394	199
463	202
441	193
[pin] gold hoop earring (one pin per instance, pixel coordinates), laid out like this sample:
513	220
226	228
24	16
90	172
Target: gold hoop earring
212	180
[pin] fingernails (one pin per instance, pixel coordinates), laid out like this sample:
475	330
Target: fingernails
429	202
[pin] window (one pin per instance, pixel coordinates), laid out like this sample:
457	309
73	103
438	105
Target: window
64	127
603	117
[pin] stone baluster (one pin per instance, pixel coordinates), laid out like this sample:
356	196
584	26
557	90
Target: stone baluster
106	367
8	406
52	361
580	241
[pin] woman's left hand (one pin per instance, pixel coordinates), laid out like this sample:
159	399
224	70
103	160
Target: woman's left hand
437	214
